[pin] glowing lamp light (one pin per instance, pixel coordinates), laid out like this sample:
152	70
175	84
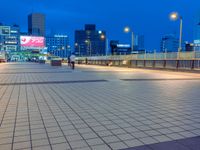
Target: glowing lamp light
127	29
102	36
174	16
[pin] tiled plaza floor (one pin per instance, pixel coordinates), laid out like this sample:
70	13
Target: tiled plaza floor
97	108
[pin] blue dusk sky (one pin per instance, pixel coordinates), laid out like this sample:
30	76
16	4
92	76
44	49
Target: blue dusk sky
147	17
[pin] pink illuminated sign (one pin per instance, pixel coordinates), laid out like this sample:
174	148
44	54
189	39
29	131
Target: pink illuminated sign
32	41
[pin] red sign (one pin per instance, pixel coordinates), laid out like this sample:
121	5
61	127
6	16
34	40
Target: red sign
32	41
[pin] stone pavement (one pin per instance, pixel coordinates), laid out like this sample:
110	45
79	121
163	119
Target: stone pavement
97	108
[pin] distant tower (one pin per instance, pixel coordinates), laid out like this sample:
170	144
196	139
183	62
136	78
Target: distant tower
197	27
36	24
90	41
169	43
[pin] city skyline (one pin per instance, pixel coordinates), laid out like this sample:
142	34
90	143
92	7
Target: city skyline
143	17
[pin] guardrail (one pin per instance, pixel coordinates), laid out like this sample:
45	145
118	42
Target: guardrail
182	60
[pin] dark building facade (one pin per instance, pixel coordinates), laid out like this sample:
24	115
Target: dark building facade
119	49
58	45
90	42
169	43
36	24
189	47
139	43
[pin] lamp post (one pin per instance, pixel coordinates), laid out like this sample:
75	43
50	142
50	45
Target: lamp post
79	49
175	16
127	30
90	46
103	37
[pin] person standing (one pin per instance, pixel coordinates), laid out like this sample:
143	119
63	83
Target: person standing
72	60
68	61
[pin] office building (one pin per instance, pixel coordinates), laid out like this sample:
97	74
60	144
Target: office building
9	38
36	24
197	32
90	42
138	43
169	43
119	49
197	28
189	47
58	45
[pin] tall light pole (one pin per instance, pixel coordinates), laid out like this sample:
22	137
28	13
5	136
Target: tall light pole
127	30
89	45
103	37
79	48
175	16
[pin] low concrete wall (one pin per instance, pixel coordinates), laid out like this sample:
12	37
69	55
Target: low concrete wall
154	64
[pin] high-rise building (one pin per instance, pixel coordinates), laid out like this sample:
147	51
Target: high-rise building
197	33
9	38
139	43
169	43
90	41
58	45
36	24
197	27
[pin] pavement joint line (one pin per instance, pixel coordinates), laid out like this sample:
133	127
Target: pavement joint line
42	119
29	121
16	113
53	82
162	79
35	72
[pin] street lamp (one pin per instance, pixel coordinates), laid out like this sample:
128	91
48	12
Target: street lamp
79	49
175	16
127	30
90	46
103	37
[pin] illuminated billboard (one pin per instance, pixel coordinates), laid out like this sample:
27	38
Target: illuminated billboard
32	41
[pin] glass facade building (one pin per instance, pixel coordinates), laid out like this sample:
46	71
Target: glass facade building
90	42
169	43
58	45
36	24
9	38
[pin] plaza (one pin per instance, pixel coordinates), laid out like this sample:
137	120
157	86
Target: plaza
97	108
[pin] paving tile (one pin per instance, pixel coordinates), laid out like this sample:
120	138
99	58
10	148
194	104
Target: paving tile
111	139
78	144
21	145
57	140
103	110
75	137
162	138
133	143
95	141
118	145
167	146
41	142
89	135
60	146
6	146
148	140
124	137
42	148
101	147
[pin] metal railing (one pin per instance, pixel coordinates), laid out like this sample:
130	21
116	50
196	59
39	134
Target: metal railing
148	56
